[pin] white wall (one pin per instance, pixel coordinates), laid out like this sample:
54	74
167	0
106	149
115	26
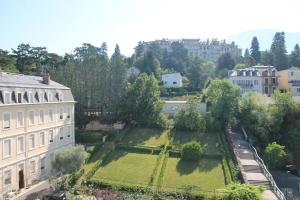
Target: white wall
172	80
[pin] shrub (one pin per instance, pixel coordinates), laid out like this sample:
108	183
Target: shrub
192	151
275	156
88	137
242	191
190	119
69	159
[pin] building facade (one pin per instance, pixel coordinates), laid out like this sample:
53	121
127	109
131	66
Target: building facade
36	119
261	79
172	80
289	81
209	50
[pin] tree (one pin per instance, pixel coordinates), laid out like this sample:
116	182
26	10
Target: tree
190	118
7	62
68	160
177	57
141	103
266	58
239	191
149	64
192	151
294	58
225	61
255	53
275	156
278	50
198	72
248	59
293	141
223	97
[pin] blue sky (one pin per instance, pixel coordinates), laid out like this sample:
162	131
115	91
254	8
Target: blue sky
62	25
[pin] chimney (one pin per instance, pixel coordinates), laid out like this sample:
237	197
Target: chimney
46	79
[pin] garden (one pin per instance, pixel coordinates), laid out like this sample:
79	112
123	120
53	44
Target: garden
147	158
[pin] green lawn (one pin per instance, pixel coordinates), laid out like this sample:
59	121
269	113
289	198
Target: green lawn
127	168
178	138
205	175
146	137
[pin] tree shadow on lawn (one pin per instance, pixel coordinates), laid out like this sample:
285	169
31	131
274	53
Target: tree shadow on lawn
204	165
139	136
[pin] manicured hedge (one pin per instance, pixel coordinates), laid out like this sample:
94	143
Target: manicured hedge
139	149
75	176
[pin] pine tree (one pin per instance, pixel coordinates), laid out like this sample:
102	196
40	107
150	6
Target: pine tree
278	50
266	58
255	53
248	59
294	58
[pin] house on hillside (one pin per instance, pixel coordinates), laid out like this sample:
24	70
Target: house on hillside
289	81
172	80
261	79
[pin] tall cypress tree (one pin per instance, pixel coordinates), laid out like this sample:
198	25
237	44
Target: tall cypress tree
254	50
278	50
248	59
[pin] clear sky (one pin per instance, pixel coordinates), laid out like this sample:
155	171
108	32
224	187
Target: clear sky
62	25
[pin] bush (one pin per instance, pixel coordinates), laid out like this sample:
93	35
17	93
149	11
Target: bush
88	137
192	151
275	156
190	119
242	191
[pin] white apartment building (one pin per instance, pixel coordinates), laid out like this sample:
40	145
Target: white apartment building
209	50
261	79
36	119
172	80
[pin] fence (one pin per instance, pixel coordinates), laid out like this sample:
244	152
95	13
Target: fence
268	175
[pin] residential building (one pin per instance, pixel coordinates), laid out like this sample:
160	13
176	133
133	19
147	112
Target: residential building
209	50
289	81
36	119
262	79
172	80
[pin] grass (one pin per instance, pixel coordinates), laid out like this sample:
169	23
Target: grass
127	168
205	175
82	136
145	137
178	138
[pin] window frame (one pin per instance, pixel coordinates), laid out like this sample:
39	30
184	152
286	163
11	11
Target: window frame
51	133
31	124
10	152
9	171
17	117
31	147
9	97
3	128
23	146
44	138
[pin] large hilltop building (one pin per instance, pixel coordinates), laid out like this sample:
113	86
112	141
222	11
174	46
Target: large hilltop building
36	119
205	49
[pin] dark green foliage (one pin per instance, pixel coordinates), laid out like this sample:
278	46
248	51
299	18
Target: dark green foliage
294	58
139	149
190	118
149	64
249	61
275	156
278	50
192	151
7	62
226	62
255	53
69	159
88	136
266	58
242	192
223	97
75	176
142	105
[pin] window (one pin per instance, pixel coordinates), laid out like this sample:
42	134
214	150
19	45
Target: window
20	143
7	148
6	121
61	113
7	177
61	133
31	117
19	97
292	73
50	115
42	139
266	90
41	116
266	81
43	164
31	141
51	136
298	89
7	98
20	119
32	167
174	83
69	131
273	80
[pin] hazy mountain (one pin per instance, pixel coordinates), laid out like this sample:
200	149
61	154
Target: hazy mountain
265	37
